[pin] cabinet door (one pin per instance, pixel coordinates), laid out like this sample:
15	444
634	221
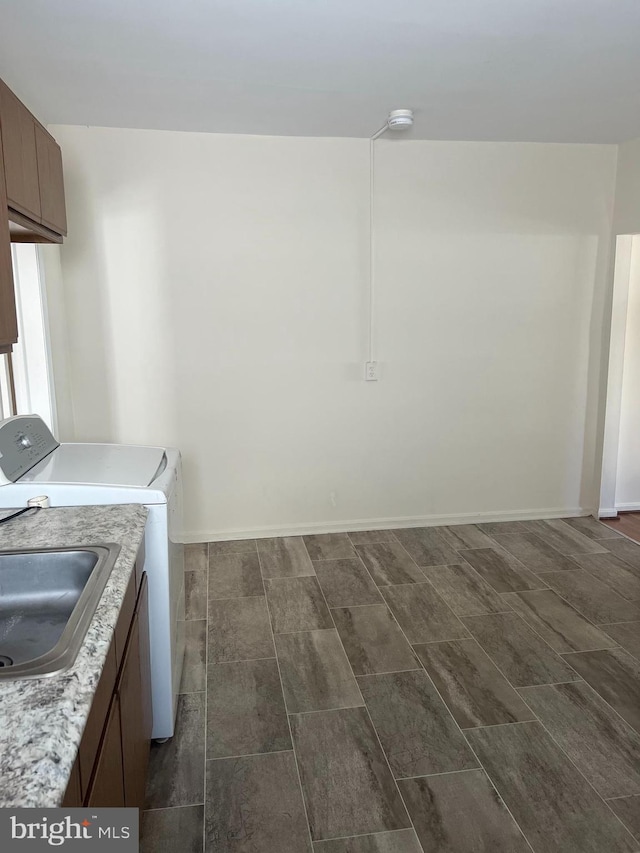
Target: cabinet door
52	208
8	318
19	154
73	795
134	695
107	786
96	722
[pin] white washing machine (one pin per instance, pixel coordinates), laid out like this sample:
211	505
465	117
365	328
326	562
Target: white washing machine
33	463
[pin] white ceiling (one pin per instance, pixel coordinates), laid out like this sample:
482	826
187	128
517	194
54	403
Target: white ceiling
538	70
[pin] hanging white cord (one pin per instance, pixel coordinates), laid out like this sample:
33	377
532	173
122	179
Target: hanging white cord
371	252
372	139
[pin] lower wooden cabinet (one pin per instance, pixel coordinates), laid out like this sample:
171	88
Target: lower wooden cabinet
133	694
73	795
112	763
107	784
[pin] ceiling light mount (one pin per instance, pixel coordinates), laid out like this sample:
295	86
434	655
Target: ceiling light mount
397	120
400	119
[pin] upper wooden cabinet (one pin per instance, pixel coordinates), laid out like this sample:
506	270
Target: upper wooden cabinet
19	154
8	318
53	213
32	163
32	208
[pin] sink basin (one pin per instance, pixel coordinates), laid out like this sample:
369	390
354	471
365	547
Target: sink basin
47	599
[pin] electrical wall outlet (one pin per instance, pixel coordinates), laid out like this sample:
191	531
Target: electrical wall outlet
371	371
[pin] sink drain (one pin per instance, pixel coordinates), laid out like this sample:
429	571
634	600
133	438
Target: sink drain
6	661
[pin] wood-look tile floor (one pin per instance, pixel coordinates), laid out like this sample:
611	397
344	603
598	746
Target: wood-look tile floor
439	690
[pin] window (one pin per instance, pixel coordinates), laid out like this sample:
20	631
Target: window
31	357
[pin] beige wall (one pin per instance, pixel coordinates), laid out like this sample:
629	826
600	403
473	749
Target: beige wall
627	207
215	293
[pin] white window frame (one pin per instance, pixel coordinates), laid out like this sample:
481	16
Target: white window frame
31	357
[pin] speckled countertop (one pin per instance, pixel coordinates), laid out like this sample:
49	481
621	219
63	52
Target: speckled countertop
42	720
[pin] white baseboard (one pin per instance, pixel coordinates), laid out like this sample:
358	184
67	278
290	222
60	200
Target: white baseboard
309	528
607	512
632	507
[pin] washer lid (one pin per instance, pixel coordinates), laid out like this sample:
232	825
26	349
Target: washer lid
99	464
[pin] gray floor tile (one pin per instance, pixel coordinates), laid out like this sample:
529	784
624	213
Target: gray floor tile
373	641
501	570
615	675
564	538
463	589
559	624
417	733
232	546
534	553
347	785
196	557
590	527
461	813
492	527
176	768
461	536
315	671
601	745
400	841
172	829
346	582
628	810
296	604
245	709
422	613
389	563
626	550
254	805
476	692
426	546
239	630
329	546
234	575
593	598
194	668
627	634
195	595
613	571
371	537
284	557
554	805
518	652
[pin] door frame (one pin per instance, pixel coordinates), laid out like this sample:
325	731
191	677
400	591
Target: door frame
619	307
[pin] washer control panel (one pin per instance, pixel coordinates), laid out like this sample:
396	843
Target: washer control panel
24	441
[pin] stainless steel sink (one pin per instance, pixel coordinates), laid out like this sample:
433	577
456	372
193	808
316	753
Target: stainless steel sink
47	599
